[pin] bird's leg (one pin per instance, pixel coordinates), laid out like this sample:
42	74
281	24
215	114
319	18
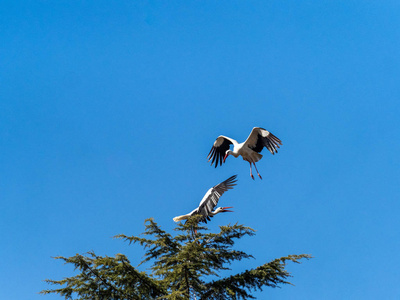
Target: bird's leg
251	174
257	170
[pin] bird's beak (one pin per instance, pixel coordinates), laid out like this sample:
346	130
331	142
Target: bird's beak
227	210
226	155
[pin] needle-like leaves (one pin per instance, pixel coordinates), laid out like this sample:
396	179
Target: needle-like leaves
180	265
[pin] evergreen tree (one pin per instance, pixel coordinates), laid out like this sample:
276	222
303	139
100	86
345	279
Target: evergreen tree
181	266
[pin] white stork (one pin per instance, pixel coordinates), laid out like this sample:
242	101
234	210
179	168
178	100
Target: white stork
210	201
249	150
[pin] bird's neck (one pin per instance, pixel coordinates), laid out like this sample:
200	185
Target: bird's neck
234	153
213	213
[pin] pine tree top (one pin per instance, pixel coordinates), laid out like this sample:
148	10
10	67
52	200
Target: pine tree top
180	265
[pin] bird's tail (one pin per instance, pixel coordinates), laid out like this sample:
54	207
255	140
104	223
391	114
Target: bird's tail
256	156
180	218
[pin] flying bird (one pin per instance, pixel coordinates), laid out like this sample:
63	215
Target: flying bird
210	201
249	150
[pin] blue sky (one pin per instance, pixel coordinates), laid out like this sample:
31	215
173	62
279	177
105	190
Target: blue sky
108	111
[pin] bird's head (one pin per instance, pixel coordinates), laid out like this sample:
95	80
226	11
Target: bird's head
223	209
227	153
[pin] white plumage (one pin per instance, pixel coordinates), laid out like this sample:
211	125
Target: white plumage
249	149
210	201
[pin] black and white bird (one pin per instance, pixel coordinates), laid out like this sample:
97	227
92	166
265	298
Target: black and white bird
210	201
249	150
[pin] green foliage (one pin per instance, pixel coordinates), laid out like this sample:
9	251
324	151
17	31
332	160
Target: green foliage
180	266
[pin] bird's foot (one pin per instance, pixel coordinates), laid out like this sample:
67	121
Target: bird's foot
252	176
260	176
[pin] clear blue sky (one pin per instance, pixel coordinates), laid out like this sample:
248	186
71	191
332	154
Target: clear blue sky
108	111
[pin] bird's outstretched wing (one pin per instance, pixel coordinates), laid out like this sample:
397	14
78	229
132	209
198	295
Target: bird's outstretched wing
210	199
220	146
260	138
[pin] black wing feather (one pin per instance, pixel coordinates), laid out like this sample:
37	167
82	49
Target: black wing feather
208	206
271	142
217	154
259	145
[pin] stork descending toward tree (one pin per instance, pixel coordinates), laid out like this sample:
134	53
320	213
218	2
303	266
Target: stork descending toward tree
210	201
249	150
